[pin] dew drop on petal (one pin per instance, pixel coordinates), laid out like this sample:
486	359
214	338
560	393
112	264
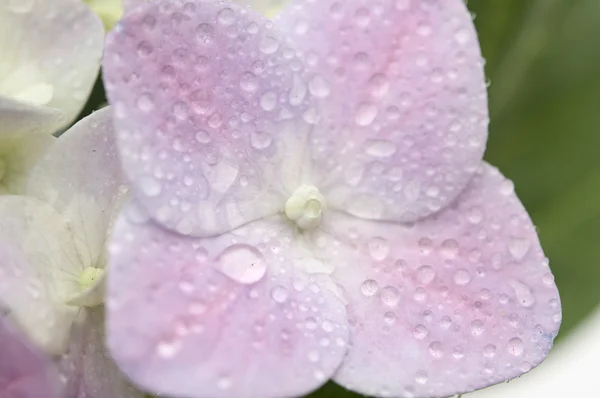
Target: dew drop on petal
477	327
435	349
523	293
319	86
515	346
462	277
369	287
380	148
242	263
425	274
279	294
150	186
366	114
379	249
420	332
268	101
489	351
390	296
519	247
260	140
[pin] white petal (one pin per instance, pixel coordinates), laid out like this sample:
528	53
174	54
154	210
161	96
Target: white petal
81	177
44	63
39	267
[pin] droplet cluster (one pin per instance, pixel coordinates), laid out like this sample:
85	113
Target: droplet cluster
401	90
207	98
457	302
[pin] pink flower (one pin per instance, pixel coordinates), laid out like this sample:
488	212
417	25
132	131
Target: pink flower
310	202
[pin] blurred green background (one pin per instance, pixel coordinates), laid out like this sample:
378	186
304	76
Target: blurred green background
543	63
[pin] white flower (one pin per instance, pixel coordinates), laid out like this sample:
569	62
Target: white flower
52	253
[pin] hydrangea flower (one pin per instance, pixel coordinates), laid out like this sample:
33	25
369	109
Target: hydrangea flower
52	255
49	58
310	202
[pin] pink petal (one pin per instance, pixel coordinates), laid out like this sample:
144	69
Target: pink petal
458	302
88	367
24	371
403	100
208	104
177	325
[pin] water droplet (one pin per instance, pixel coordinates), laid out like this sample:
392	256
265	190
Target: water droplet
205	33
477	327
249	81
390	296
435	349
475	215
515	346
268	101
446	322
313	356
380	148
226	16
319	86
421	377
462	277
523	293
269	45
168	349
202	137
145	49
525	367
369	287
425	274
366	114
279	294
462	36
389	318
145	103
150	186
243	264
449	248
298	91
519	247
489	351
362	17
260	140
420	332
378	249
507	188
380	85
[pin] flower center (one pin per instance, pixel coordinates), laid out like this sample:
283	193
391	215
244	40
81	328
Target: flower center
305	207
89	276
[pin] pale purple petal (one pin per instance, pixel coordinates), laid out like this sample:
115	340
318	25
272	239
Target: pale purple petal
230	316
208	106
403	102
24	371
460	301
